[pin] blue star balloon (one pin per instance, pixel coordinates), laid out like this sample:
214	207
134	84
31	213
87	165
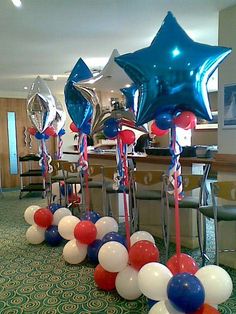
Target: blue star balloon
79	109
172	73
129	93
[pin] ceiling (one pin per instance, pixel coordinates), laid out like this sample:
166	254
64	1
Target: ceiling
47	37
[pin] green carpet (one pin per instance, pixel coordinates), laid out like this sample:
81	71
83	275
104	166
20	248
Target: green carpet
36	279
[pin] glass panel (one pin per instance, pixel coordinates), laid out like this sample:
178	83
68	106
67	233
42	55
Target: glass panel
13	158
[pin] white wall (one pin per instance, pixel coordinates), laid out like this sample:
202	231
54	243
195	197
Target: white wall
227	75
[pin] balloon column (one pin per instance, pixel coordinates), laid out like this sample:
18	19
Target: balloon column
171	75
44	223
80	111
41	110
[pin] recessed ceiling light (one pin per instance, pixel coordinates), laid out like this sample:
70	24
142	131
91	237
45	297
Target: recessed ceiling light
25	87
17	3
54	77
112	91
127	85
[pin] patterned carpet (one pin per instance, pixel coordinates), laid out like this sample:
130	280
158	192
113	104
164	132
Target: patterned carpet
35	279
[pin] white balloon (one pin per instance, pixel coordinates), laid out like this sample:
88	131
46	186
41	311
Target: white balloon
153	279
66	227
59	214
217	284
113	256
35	234
163	307
29	214
127	284
74	252
105	225
141	235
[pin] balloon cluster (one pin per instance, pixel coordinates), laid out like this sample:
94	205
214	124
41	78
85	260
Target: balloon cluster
166	120
112	129
50	131
118	269
184	292
44	223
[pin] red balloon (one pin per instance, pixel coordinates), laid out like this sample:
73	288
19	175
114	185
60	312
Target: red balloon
127	137
186	120
206	309
143	252
104	279
43	217
187	264
74	198
50	131
73	127
85	232
158	132
32	131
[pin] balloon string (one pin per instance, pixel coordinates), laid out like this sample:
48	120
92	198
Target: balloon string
44	159
87	195
59	147
125	182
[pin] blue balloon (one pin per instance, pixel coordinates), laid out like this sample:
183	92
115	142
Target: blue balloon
129	93
172	73
39	136
111	122
93	250
111	131
54	207
79	109
164	120
52	236
151	303
186	292
114	236
62	132
90	215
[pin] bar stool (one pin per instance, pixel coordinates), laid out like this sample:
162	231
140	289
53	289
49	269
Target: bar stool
95	182
109	190
148	186
56	176
223	208
187	205
72	176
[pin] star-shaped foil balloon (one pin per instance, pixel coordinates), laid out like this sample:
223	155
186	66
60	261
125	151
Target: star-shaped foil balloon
172	73
79	109
129	93
41	107
60	118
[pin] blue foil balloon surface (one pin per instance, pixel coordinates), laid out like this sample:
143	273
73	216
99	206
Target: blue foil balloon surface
172	73
79	109
129	93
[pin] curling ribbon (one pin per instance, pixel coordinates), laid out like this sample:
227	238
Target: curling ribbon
124	183
59	147
45	161
175	167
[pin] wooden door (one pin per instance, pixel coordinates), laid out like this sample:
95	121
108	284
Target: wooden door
16	108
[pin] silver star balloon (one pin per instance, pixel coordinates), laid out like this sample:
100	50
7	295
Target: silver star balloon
60	118
41	107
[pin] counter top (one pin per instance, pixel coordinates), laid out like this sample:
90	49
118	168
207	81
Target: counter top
221	162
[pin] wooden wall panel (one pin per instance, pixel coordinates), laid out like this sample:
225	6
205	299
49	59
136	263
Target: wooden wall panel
19	107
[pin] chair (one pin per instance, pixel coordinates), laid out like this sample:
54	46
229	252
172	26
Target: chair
94	172
223	208
188	206
109	190
56	176
72	176
148	186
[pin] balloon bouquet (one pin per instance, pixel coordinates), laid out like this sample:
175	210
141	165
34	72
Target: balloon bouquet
47	115
171	75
